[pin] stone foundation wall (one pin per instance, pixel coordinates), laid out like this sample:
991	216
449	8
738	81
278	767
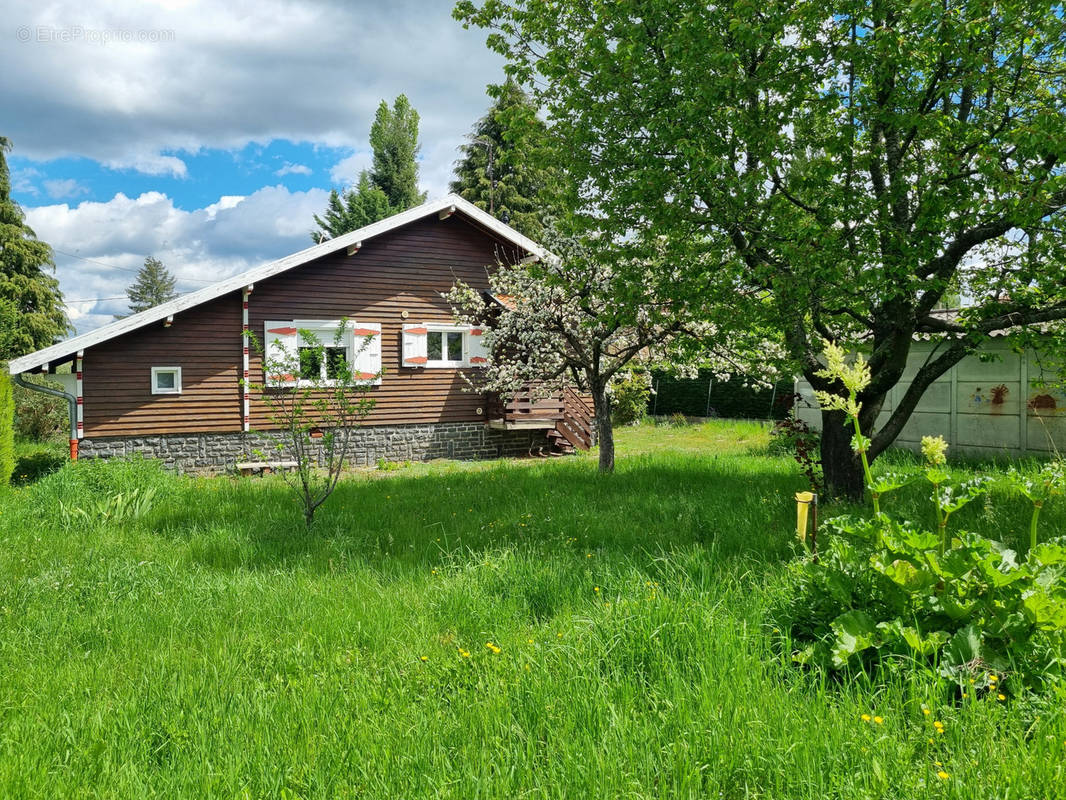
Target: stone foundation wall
219	452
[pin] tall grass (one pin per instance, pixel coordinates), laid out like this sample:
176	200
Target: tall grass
208	646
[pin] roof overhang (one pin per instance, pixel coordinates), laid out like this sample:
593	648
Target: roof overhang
349	243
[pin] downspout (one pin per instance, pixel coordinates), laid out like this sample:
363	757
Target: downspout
72	402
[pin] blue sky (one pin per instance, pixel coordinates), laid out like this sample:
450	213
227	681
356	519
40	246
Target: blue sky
209	173
207	134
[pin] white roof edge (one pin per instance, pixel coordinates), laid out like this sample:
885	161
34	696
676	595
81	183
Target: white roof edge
71	346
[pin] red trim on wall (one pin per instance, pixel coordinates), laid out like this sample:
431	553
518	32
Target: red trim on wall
416	360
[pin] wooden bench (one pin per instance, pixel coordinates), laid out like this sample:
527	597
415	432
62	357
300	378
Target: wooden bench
263	467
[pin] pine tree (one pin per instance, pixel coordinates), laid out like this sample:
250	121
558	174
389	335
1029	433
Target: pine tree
499	170
154	285
354	209
390	186
26	287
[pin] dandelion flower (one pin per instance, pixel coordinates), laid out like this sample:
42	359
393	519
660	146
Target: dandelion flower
865	717
879	720
424	658
595	588
943	775
1001	696
464	653
926	711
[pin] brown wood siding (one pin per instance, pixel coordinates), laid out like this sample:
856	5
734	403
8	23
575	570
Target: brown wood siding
404	270
204	342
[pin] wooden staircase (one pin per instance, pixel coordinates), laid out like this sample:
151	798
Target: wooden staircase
566	416
575	429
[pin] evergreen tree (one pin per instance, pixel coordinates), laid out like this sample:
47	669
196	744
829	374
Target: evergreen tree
498	171
355	208
390	186
154	285
27	289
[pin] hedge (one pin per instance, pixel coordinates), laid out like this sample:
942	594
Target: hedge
703	396
7	428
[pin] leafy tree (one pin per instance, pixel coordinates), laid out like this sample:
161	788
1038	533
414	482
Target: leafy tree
563	323
846	165
154	285
33	315
390	186
394	139
499	171
314	417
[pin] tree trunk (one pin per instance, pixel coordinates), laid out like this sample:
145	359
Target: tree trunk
601	403
841	466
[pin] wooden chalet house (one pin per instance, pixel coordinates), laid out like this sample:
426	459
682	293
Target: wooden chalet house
169	382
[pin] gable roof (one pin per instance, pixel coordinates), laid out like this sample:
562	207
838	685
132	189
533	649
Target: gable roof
449	203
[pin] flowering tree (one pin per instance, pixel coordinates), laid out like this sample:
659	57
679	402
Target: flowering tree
568	319
858	161
314	396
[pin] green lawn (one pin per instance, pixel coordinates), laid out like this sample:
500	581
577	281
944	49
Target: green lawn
212	648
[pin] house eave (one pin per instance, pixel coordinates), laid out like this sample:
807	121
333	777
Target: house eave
64	350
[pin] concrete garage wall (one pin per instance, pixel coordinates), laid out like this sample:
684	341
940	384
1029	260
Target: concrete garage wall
985	405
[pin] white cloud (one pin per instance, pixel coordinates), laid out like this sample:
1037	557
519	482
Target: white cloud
235	73
22	181
63	189
99	246
346	171
149	164
293	169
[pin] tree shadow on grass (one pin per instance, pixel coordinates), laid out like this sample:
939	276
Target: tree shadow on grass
735	507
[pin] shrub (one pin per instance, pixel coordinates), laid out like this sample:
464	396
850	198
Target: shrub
962	605
630	391
792	436
7	428
39	416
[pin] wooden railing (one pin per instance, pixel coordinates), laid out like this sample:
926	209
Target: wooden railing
566	412
576	425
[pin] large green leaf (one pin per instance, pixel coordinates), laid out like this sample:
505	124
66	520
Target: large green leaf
854	633
964	648
1047	611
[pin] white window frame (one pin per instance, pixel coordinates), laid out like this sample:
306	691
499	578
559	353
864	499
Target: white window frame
326	331
443	363
156	371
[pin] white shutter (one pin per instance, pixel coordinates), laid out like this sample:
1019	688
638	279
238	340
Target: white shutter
476	353
414	345
280	351
366	352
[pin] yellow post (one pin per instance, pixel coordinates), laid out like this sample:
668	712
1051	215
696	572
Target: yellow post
803	504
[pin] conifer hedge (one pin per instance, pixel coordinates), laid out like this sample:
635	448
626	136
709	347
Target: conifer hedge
7	428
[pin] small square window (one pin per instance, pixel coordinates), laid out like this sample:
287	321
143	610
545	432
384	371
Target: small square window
166	380
444	348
